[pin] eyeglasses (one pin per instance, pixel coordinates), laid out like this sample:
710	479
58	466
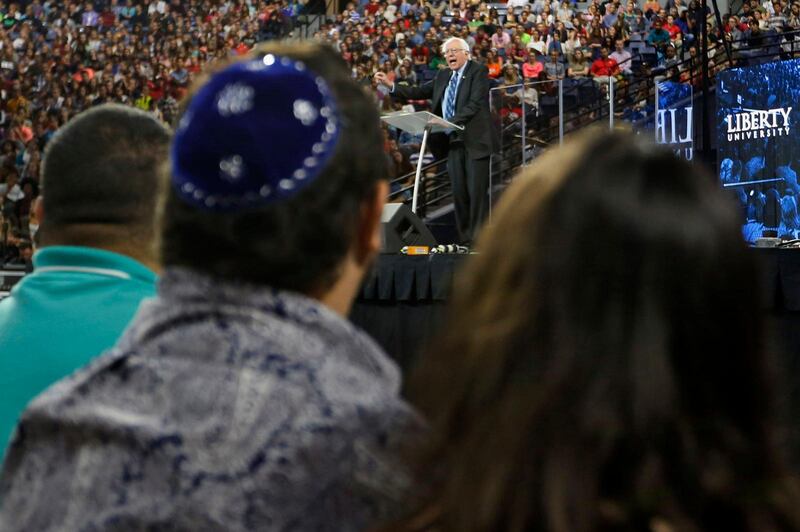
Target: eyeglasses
453	50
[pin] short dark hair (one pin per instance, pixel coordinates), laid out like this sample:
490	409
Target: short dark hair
103	167
297	244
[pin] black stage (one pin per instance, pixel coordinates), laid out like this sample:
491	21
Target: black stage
401	303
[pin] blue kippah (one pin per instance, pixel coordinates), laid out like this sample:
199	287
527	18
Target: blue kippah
256	133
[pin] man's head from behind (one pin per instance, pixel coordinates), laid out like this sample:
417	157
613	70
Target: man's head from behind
100	179
290	193
25	250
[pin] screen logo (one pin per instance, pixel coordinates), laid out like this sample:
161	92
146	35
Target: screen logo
758	124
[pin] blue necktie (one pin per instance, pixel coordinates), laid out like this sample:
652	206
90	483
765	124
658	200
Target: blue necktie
450	97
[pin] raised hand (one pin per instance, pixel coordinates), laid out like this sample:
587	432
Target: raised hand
382	79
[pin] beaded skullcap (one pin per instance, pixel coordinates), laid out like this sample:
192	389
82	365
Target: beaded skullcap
258	132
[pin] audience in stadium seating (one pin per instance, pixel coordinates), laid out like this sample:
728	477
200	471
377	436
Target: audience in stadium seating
508	34
240	398
96	261
597	371
60	58
57	59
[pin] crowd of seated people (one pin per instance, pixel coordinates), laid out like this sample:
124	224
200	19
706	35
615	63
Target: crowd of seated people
60	58
539	42
388	36
57	59
643	40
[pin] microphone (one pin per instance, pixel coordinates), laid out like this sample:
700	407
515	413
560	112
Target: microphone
450	248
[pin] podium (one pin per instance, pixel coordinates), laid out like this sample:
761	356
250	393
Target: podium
425	123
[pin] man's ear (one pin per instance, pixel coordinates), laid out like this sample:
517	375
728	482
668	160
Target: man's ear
369	229
38	208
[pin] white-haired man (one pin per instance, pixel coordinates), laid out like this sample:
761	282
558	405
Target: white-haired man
461	95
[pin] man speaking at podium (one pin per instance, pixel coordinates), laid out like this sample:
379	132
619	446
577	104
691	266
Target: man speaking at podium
461	96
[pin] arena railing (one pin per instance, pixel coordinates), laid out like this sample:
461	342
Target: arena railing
312	16
434	187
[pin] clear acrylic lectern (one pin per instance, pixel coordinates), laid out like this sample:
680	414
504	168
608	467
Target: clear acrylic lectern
416	123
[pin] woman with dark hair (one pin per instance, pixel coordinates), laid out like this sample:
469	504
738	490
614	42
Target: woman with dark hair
622	28
578	64
597	35
601	368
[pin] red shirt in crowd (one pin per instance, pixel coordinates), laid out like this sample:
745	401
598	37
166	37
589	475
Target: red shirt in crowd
108	18
420	52
604	67
673	29
156	89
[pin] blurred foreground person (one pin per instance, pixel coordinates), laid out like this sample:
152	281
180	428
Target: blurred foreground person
97	254
601	367
240	398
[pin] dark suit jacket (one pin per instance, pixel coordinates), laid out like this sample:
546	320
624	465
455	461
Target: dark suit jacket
472	106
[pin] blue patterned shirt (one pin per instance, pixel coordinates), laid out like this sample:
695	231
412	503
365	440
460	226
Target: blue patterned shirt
223	407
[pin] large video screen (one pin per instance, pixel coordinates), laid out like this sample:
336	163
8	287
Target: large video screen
758	151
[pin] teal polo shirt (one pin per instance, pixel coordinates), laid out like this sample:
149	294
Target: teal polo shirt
74	306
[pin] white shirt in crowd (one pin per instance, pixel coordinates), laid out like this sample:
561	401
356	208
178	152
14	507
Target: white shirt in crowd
623	59
16	193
